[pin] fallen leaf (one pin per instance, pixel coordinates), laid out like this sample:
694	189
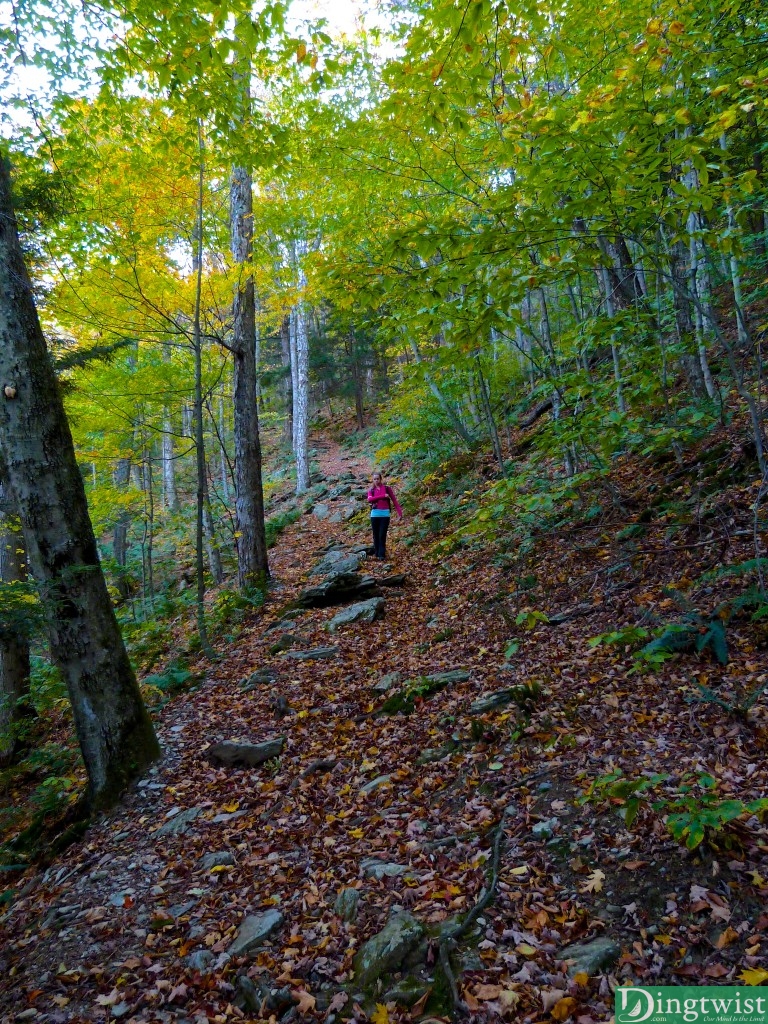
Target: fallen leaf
380	1015
563	1009
593	883
754	977
339	1000
305	1002
486	992
726	938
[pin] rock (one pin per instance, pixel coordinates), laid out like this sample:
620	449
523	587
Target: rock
387	682
335	518
181	909
179	823
339	492
201	960
378	869
313	654
362	611
432	754
262	677
347	512
591	957
385	952
338	588
245	755
409	990
218	859
321	511
346	904
375	784
335	562
254	931
117	899
283	643
546	829
453	675
490	701
395	580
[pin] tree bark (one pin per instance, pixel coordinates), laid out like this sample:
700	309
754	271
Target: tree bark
114	730
252	561
14	645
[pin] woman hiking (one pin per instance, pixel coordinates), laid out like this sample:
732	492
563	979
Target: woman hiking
381	498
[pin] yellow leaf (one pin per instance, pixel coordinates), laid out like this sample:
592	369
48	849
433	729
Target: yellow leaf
218	869
581	978
525	949
563	1009
683	115
357	833
726	938
301	52
522	870
755	977
231	808
380	1015
654	27
676	28
594	882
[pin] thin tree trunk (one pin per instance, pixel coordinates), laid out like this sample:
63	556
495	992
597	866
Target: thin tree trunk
485	400
115	733
301	396
285	353
14	644
197	347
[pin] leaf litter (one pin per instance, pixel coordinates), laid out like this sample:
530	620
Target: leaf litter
130	924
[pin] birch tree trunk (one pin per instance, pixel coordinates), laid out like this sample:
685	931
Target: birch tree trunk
114	730
285	353
301	397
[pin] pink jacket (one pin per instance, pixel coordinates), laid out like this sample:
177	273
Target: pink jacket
380	497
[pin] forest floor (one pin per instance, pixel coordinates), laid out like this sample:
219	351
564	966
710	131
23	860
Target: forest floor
422	812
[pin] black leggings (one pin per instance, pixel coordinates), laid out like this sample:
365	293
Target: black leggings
380	525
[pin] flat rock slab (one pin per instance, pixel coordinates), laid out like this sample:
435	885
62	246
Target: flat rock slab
395	580
335	562
590	957
491	701
313	654
385	952
179	823
362	611
338	588
453	675
254	931
244	755
378	869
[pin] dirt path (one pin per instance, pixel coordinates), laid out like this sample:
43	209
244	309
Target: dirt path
130	925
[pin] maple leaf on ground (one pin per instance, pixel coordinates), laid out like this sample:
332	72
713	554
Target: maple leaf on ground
305	1002
380	1015
754	977
594	882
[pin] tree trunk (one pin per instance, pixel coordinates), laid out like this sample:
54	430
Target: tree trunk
285	353
252	562
115	733
14	645
301	391
121	477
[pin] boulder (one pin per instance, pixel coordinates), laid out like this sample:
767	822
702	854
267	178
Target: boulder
385	952
590	957
336	561
244	755
321	511
201	960
338	588
254	931
339	491
362	611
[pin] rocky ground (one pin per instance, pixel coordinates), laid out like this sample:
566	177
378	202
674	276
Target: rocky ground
373	805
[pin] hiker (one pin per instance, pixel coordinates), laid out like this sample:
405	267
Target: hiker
382	498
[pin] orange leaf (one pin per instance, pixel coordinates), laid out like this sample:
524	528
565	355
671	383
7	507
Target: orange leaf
563	1009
